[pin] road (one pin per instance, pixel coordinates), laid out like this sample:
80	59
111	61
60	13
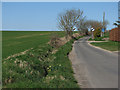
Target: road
100	67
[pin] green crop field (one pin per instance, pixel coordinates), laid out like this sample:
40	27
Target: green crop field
18	41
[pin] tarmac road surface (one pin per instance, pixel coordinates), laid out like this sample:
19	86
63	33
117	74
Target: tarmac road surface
101	66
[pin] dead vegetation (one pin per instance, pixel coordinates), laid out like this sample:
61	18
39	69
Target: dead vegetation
56	41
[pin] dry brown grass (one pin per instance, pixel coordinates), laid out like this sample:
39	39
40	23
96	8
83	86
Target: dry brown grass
56	41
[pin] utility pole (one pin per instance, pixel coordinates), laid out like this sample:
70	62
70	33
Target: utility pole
103	27
104	20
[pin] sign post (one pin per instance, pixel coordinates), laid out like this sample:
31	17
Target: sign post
73	30
92	29
102	33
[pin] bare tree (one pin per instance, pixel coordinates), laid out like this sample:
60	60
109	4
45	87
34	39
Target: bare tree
82	26
97	24
94	24
68	20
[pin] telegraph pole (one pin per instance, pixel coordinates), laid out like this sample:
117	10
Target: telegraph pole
103	27
104	20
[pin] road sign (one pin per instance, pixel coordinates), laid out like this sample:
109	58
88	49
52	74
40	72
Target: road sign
103	30
92	29
74	29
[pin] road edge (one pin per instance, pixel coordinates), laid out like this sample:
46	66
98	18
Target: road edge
80	76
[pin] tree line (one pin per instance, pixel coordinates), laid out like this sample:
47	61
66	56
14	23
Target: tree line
73	19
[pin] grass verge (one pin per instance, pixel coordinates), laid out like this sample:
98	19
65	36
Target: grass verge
106	35
40	68
96	39
110	45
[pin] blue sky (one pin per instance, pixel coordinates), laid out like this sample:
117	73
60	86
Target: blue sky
42	16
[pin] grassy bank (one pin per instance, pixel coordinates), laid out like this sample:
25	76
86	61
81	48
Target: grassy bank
110	45
96	39
40	67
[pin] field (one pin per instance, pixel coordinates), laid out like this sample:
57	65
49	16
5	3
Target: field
41	66
18	41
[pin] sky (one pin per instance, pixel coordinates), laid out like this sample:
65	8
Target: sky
42	16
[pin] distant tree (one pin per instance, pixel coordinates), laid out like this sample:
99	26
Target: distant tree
82	26
97	32
93	24
96	25
68	20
